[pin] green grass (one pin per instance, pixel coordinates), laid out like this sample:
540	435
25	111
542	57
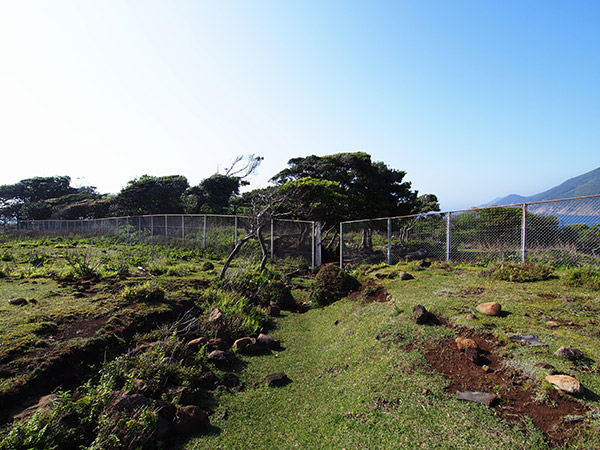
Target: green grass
351	390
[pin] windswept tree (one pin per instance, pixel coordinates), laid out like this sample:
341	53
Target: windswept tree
215	194
39	198
364	189
151	195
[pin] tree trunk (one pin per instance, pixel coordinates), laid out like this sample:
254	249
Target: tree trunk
263	248
233	253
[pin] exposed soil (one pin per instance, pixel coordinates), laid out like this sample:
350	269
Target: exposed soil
62	364
370	292
516	400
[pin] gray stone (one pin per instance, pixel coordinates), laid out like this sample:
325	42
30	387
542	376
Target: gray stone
420	314
477	397
18	301
268	341
221	358
530	340
277	379
405	276
570	353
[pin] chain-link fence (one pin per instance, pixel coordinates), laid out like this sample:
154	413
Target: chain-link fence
217	235
559	232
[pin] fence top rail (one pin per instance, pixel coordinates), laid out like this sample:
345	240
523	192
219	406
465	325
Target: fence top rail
512	205
135	217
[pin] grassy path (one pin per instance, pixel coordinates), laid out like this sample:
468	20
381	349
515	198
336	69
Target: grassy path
351	390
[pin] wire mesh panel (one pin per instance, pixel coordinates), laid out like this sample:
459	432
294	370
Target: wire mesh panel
418	237
486	234
364	242
294	240
565	232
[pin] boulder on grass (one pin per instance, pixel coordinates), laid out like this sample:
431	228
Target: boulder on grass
405	275
190	419
221	358
463	343
570	353
421	315
565	383
268	342
277	379
490	308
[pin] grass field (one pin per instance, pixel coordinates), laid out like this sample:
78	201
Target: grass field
360	379
362	371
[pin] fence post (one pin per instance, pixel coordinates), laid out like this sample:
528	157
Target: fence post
313	249
389	246
235	230
524	234
139	228
151	228
204	234
318	259
272	241
166	227
448	237
341	245
183	228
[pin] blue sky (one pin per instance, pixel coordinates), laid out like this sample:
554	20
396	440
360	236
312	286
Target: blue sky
473	99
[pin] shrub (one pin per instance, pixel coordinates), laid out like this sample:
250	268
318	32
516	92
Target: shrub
519	272
83	264
143	293
278	293
583	278
331	284
207	265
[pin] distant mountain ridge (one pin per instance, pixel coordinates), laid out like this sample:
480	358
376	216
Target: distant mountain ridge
586	184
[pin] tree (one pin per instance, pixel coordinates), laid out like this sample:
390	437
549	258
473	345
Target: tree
213	195
151	195
364	190
38	198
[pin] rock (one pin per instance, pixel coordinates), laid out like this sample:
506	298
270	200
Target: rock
218	344
423	263
127	401
208	380
565	383
43	403
405	276
486	368
165	418
570	353
18	301
543	365
277	379
215	315
230	380
274	311
190	419
140	385
464	343
530	340
473	355
242	343
420	314
472	316
195	344
490	308
221	358
174	393
552	324
477	397
268	341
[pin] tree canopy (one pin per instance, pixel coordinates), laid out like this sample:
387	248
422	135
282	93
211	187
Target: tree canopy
151	195
362	188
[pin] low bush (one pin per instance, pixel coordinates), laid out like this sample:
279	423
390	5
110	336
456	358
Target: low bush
583	278
519	272
276	292
332	284
143	293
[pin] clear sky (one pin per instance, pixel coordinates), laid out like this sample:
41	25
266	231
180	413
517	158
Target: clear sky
473	99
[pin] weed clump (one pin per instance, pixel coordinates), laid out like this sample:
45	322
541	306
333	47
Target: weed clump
583	278
143	293
332	284
519	272
238	317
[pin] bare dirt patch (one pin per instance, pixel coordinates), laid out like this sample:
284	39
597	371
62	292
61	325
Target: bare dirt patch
516	400
370	292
